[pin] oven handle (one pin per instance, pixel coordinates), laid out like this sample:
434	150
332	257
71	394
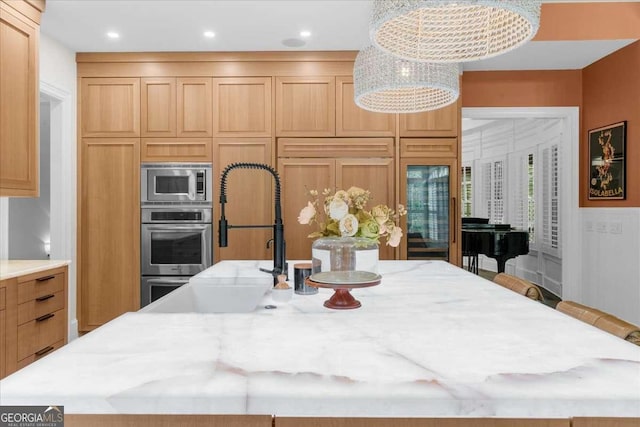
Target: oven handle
168	281
190	227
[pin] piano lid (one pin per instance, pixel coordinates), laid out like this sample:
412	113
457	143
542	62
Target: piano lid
496	227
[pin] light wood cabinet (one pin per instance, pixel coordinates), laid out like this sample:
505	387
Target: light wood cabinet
110	107
249	198
19	105
194	105
3	327
242	107
375	175
109	230
338	167
175	112
437	123
176	107
33	317
158	107
176	150
352	120
298	177
305	106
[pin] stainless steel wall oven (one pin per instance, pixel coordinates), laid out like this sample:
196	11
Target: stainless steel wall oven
176	227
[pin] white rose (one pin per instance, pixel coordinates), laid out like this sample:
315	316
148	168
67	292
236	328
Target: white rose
338	209
349	225
307	213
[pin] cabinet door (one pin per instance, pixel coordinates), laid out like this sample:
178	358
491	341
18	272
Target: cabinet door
18	105
375	175
194	106
437	123
242	106
429	190
352	120
245	188
298	176
158	106
110	107
109	232
305	106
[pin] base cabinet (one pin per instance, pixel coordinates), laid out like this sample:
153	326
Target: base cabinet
33	317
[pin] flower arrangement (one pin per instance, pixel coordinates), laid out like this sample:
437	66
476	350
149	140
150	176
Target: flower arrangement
343	214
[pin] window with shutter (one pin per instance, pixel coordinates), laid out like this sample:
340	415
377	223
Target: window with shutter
467	207
551	200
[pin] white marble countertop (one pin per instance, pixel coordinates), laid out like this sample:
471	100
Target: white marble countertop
430	340
14	268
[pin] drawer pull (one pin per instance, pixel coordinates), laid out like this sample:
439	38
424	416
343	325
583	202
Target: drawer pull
44	298
45	317
44	279
44	350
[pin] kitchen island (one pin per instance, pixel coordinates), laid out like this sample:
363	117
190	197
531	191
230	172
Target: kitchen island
432	340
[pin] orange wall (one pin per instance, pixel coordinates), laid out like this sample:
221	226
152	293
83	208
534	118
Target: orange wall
589	21
611	93
555	88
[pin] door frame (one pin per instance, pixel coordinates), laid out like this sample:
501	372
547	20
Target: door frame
570	217
63	189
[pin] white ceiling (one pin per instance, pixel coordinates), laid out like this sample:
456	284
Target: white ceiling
250	25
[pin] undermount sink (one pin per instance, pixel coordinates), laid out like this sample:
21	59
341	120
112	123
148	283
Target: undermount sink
214	295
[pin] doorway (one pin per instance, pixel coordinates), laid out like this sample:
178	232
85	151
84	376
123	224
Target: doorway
562	279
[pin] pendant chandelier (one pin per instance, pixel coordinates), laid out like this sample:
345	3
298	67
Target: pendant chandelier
452	31
387	84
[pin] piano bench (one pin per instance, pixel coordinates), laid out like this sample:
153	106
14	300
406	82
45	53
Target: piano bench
521	286
601	320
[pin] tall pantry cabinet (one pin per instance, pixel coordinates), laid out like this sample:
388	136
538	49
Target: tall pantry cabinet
19	97
109	200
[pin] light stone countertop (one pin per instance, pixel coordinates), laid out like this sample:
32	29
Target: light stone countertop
14	268
432	340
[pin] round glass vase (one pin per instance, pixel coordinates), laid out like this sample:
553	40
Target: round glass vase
344	254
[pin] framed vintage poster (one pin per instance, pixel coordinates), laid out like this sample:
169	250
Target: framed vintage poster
607	162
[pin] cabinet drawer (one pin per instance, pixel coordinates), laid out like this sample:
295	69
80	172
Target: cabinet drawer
3	298
39	287
428	147
40	306
40	354
36	335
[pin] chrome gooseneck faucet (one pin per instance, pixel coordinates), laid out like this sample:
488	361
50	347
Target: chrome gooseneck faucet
279	246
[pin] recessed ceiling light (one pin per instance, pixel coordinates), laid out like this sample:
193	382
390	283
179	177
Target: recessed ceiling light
209	34
113	35
305	33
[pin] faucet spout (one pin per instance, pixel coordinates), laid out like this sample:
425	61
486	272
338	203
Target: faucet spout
279	246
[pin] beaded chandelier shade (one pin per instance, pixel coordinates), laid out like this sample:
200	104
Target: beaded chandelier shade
452	31
387	84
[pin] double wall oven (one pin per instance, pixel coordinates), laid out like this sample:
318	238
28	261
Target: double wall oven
176	226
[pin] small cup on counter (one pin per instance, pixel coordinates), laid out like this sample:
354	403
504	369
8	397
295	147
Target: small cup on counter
300	273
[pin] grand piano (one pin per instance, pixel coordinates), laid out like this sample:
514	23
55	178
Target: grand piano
497	241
